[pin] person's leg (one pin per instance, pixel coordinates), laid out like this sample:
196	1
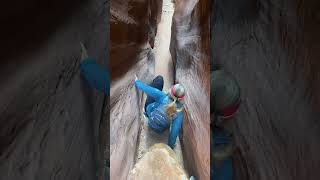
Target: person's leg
156	83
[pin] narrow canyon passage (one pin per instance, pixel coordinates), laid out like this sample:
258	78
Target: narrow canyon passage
163	67
150	38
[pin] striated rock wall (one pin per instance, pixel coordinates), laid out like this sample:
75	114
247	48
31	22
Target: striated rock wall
190	42
132	31
49	116
132	25
272	48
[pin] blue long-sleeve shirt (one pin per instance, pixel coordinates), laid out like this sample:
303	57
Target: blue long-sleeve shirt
161	99
95	75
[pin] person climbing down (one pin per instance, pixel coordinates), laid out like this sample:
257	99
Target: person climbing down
225	99
95	75
163	110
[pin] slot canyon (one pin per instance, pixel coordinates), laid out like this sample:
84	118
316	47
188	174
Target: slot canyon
168	38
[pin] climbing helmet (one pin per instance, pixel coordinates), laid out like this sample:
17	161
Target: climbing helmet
177	91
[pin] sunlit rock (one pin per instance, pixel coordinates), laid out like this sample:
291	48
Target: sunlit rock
159	163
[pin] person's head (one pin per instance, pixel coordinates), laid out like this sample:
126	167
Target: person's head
225	94
177	93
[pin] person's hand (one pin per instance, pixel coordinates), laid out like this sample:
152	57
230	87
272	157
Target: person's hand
84	53
135	80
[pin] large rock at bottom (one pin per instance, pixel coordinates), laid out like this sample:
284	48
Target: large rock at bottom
160	162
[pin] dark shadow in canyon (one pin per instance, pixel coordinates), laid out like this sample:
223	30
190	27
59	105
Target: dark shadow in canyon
50	118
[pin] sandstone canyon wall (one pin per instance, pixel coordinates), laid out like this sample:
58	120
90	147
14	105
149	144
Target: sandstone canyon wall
272	49
49	116
132	27
190	49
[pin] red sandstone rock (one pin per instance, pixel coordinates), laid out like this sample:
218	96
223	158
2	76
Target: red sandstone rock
190	43
130	54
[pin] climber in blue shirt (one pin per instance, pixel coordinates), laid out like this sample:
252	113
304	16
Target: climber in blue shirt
95	75
225	102
164	110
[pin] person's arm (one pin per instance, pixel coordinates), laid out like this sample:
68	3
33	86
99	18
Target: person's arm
175	130
95	75
150	91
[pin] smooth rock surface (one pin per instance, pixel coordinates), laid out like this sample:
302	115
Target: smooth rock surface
159	163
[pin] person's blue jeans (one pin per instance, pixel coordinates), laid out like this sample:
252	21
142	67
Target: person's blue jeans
95	75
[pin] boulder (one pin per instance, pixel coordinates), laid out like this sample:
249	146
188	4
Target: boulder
159	163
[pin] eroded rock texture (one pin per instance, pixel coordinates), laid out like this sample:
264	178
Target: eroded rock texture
132	25
272	48
49	116
189	47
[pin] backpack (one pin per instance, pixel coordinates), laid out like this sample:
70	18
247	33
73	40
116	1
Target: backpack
159	120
